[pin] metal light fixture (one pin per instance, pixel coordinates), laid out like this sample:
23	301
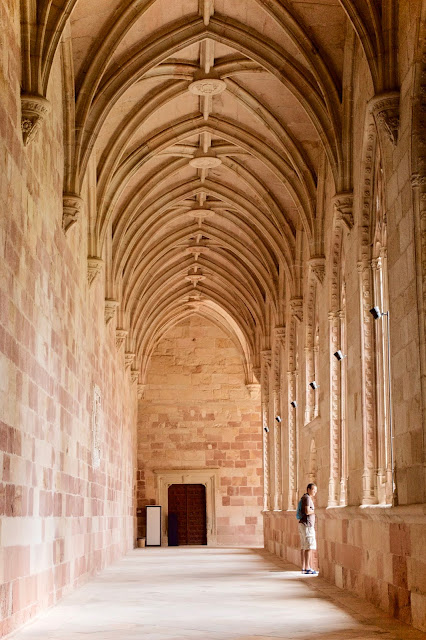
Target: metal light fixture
293	404
278	419
377	314
266	429
314	385
339	355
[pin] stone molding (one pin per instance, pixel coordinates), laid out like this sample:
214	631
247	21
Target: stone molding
279	333
34	109
385	109
120	337
208	477
141	390
94	267
134	375
96	427
317	266
266	357
343	208
296	307
72	206
110	309
129	356
254	390
257	372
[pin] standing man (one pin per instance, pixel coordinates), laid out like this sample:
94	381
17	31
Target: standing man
307	529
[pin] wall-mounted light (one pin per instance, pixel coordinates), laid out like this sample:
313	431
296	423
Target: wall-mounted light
278	419
266	429
339	355
314	385
376	313
293	404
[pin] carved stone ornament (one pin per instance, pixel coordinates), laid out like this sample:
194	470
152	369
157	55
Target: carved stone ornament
207	86
195	278
96	427
110	309
317	266
296	306
120	337
280	335
141	390
257	372
72	206
253	390
134	375
128	358
203	160
385	108
343	207
267	357
94	267
33	109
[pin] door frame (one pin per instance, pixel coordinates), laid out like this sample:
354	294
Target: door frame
207	477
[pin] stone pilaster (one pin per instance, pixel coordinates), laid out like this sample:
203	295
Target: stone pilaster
266	368
368	384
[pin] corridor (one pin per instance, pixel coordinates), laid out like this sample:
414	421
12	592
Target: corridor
194	593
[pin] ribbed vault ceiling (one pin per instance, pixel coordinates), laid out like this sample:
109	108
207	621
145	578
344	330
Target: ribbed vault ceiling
209	122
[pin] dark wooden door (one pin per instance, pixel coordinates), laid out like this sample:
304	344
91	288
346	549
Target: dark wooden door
188	501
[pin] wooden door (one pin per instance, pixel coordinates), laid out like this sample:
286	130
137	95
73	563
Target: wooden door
188	501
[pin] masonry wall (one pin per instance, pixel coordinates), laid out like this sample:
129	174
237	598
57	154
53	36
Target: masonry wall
197	414
366	546
61	520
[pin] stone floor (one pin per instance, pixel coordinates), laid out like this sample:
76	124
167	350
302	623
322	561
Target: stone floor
200	593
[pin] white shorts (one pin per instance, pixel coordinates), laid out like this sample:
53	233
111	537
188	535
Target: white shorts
307	537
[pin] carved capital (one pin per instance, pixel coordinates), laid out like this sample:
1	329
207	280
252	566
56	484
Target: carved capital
120	336
94	267
128	358
134	375
343	207
296	306
141	390
110	309
266	357
280	335
33	111
317	266
385	108
254	390
418	180
72	206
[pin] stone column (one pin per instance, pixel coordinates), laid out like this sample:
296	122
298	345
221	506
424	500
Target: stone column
266	368
292	440
343	444
335	405
368	385
278	494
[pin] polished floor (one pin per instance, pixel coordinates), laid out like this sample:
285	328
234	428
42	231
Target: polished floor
200	593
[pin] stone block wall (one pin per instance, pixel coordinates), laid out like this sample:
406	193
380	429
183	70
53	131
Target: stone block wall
196	414
61	519
378	554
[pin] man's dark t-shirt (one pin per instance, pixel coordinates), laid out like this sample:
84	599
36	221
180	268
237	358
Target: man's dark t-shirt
305	519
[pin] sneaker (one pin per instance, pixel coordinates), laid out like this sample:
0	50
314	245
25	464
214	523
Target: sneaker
310	572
